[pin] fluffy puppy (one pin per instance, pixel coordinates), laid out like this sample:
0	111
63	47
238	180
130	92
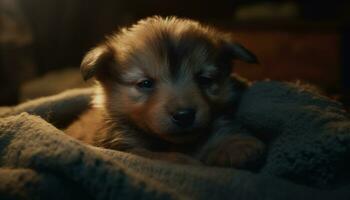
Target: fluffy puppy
164	85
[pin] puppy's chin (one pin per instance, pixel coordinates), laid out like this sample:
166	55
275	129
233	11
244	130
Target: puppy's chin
181	136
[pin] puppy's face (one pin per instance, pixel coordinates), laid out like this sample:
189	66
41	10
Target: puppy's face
166	76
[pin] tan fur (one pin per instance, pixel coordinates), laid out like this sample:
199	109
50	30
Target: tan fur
86	126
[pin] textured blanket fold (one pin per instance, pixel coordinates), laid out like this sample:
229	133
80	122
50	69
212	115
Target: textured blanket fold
312	133
308	153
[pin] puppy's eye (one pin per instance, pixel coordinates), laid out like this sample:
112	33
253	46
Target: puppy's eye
145	84
205	80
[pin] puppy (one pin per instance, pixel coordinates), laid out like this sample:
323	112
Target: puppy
164	85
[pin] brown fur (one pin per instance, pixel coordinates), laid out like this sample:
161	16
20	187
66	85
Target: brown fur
189	66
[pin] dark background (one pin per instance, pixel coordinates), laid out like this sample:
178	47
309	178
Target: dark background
43	42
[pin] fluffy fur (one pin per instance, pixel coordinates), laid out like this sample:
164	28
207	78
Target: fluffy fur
164	85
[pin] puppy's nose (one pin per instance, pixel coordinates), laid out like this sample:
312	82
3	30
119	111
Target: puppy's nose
184	117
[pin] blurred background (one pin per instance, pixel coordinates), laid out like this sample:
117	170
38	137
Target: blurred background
43	42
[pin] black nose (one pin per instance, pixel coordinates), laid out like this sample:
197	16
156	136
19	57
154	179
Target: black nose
184	117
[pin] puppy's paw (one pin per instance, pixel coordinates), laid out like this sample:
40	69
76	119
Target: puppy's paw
238	151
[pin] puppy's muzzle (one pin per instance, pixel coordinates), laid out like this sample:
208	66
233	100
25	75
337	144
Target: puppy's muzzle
184	118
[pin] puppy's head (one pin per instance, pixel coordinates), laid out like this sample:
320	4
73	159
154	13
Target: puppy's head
166	76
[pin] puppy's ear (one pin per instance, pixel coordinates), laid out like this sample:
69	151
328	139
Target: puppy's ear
94	61
237	51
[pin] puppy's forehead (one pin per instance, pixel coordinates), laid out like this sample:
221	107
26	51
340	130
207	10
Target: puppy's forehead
167	51
189	54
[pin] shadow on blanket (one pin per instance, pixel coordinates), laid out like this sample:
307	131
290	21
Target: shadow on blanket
308	155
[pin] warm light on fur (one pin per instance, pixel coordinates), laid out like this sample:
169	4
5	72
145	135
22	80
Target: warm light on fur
163	84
